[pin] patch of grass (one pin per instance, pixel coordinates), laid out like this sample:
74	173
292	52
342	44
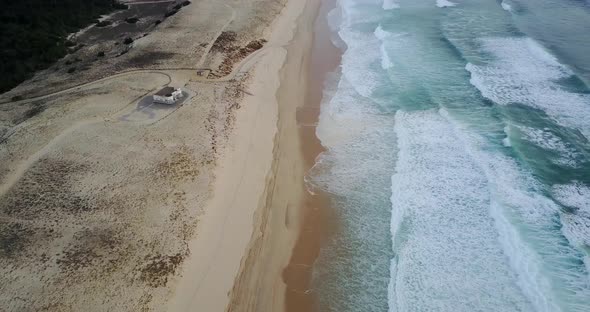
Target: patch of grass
157	269
13	238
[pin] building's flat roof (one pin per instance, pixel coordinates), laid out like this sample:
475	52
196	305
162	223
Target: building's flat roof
166	91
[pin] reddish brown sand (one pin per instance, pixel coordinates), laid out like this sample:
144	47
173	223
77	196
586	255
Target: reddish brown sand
325	57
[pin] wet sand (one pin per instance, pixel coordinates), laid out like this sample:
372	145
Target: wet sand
315	209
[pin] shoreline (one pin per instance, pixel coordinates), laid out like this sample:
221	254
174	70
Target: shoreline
316	209
260	286
276	273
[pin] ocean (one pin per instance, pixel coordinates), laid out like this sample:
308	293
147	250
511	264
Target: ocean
457	157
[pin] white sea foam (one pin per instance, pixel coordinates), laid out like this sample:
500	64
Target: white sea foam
523	72
382	35
354	133
360	55
359	149
544	138
575	196
511	195
385	61
359	143
449	258
444	3
443	209
538	251
390	5
472	229
506	6
506	141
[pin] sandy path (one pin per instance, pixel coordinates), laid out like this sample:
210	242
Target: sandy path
92	83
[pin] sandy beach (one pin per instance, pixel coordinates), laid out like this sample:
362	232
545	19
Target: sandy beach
262	194
111	203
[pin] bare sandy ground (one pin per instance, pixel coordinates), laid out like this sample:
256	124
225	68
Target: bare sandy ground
103	198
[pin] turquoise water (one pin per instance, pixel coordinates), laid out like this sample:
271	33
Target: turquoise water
457	158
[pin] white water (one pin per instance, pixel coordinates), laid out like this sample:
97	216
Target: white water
358	60
575	196
472	227
523	72
390	5
444	3
382	36
449	258
567	155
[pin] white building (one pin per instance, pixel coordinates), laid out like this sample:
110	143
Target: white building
168	95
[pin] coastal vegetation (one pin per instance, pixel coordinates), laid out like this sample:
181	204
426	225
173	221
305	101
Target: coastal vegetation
33	33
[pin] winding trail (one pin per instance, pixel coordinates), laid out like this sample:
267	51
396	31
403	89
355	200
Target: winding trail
90	83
